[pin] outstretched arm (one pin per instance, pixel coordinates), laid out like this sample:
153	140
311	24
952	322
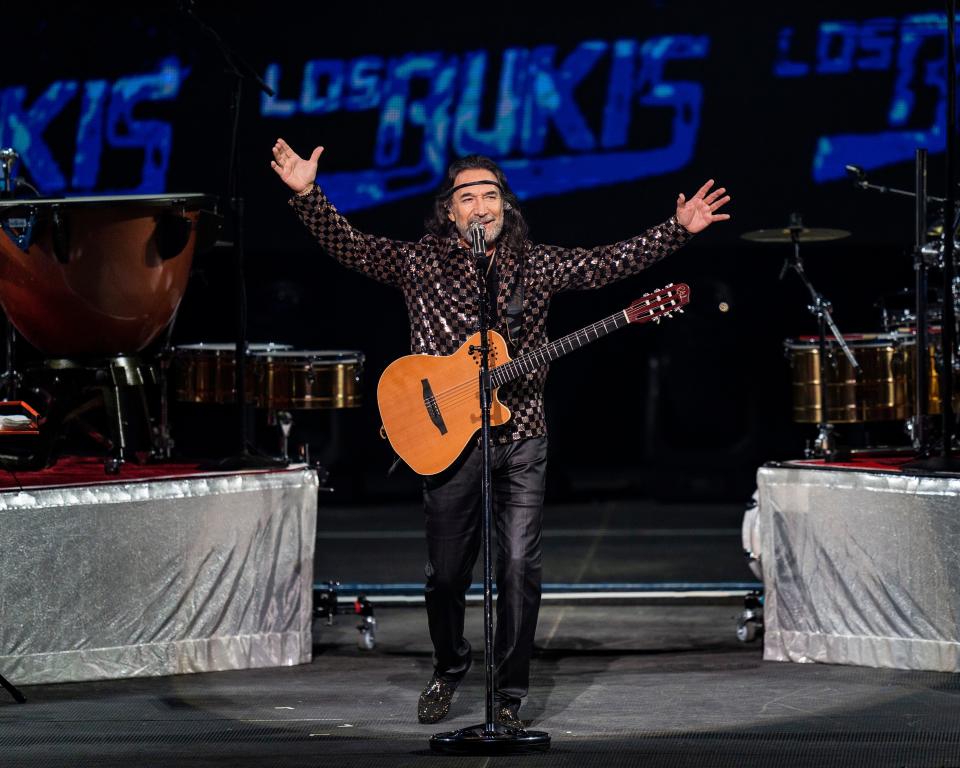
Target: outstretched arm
579	268
378	257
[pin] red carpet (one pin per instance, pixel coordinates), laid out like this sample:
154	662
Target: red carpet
88	470
865	464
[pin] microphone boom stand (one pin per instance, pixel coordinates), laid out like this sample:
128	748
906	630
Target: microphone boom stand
946	461
240	70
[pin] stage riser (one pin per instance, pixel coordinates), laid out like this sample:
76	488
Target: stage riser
157	577
861	568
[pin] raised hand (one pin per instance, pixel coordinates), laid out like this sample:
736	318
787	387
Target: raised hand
296	173
700	211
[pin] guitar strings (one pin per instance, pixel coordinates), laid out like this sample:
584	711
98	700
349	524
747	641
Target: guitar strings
467	390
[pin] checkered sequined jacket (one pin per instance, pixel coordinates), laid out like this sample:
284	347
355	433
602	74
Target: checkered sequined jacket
439	284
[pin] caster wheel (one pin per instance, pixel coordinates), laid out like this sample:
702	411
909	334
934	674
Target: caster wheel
747	631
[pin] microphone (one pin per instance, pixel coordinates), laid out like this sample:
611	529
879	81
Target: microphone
858	174
478	242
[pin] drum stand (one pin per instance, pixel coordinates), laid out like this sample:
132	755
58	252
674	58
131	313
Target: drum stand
824	445
284	421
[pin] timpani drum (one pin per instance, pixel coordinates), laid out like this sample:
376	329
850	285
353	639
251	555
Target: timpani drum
96	276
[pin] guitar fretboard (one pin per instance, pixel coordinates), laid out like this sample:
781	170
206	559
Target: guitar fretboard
556	349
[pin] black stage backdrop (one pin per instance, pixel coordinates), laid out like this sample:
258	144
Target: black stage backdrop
599	116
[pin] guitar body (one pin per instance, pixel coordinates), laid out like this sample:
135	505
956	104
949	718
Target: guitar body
430	404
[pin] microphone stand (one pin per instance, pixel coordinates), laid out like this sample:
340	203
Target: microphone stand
946	462
489	737
924	257
240	70
860	182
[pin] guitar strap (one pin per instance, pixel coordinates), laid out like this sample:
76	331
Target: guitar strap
514	319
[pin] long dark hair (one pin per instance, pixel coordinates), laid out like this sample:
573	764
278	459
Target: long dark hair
514	233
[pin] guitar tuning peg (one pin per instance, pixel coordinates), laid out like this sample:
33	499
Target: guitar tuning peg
680	311
657	319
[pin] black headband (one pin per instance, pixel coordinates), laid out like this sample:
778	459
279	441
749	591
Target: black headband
492	182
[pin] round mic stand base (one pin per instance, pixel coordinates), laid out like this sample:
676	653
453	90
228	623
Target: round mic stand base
490	739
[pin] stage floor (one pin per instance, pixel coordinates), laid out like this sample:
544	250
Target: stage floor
664	685
653	682
620	542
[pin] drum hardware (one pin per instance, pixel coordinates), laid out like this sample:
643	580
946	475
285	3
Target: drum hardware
824	444
204	372
163	443
882	389
293	379
283	420
926	256
859	178
113	382
795	233
65	392
919	428
282	380
94	280
10	379
898	310
8	156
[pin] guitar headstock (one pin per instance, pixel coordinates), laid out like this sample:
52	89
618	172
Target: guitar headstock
660	303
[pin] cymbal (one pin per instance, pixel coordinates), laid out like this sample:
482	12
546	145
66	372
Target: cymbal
806	235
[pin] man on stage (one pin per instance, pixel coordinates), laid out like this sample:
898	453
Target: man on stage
439	281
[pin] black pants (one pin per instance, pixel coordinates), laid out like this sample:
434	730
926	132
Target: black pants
453	520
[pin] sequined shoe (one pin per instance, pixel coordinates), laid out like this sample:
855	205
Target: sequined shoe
434	703
508	716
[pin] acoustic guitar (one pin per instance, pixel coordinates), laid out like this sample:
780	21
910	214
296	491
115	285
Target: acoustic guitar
430	404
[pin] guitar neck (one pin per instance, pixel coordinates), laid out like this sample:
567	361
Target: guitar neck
546	354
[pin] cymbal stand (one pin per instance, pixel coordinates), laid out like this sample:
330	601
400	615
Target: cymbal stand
919	427
10	379
825	445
